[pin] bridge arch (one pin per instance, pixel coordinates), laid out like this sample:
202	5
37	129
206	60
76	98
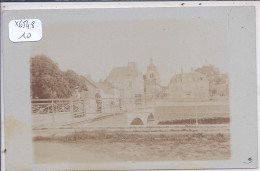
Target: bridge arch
150	117
137	121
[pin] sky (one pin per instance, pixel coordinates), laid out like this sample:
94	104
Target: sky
95	41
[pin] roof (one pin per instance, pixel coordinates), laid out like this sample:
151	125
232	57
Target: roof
122	72
91	82
189	75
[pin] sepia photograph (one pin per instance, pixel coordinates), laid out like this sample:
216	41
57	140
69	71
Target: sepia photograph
131	88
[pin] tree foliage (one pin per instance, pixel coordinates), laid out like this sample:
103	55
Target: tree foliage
49	82
214	76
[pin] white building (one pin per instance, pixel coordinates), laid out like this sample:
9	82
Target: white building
128	80
192	86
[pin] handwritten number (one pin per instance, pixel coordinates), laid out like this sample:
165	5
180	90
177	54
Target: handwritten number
22	36
25	36
32	24
24	24
20	25
29	35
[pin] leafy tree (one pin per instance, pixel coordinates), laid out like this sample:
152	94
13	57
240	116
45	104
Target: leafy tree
214	76
48	81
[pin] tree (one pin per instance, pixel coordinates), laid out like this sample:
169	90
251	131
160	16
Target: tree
214	76
48	81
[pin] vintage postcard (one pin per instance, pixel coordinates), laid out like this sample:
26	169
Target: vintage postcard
130	88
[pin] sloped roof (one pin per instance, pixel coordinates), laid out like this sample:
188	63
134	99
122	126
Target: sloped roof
91	82
122	72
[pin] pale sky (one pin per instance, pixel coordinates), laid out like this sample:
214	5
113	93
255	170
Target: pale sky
92	42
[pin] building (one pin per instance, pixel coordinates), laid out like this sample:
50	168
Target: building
108	93
92	88
164	91
152	82
107	90
110	96
192	86
128	80
221	90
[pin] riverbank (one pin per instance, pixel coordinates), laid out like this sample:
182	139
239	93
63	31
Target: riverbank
52	133
114	146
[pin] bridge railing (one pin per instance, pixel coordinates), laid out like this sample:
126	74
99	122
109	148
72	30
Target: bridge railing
54	112
46	106
103	105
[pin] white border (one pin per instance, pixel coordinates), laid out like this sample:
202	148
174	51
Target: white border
2	100
84	5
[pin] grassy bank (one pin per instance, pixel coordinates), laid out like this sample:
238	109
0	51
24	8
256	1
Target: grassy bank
133	146
215	120
122	136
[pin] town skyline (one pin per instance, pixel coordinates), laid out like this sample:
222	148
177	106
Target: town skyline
108	43
128	81
164	81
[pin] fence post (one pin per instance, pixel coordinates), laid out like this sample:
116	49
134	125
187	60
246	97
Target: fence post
53	117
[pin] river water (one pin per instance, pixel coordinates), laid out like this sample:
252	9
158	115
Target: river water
99	151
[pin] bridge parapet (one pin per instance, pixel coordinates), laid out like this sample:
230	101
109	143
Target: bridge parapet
141	117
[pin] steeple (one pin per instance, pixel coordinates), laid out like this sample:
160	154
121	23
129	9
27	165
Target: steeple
151	60
181	70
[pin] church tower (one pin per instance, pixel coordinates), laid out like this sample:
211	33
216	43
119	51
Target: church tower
152	73
152	81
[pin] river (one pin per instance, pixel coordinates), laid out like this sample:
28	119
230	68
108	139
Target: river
199	148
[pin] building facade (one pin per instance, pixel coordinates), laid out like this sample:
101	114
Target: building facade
221	90
127	80
192	86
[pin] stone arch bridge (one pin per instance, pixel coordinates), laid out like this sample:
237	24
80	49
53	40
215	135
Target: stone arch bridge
141	117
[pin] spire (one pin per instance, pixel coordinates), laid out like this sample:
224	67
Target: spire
181	70
151	60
